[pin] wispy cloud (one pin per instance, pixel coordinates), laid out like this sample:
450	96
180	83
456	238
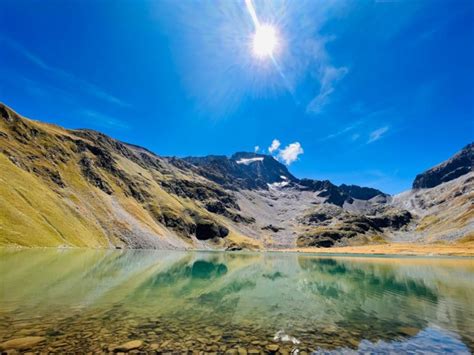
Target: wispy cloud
101	120
88	116
355	137
342	131
328	77
256	149
290	153
364	125
321	68
67	78
377	134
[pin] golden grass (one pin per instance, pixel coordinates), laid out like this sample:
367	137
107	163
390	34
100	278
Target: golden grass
36	212
469	238
455	249
31	214
244	241
426	222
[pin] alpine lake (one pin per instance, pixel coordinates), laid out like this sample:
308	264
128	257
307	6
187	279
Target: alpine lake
104	301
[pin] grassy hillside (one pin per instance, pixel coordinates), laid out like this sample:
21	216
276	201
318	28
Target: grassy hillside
83	189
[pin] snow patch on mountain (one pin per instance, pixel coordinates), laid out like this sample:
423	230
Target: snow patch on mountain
248	161
278	185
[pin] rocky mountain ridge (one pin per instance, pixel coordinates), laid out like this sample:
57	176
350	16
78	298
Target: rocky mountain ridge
460	164
254	171
64	187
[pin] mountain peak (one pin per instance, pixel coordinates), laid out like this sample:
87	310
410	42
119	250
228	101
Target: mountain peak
195	200
242	170
460	164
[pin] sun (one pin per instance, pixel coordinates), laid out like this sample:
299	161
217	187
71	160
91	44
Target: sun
265	41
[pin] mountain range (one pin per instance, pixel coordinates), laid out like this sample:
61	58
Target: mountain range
81	188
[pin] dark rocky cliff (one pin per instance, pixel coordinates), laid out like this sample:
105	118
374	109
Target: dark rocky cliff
460	164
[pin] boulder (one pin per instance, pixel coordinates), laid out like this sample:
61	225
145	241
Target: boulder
272	228
272	348
207	229
130	345
234	247
323	238
215	207
21	343
394	219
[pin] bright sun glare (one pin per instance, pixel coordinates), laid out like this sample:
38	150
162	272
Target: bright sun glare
265	41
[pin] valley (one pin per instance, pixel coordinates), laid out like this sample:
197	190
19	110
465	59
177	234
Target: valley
80	188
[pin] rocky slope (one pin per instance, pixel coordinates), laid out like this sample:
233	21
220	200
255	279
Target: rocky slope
443	213
64	187
460	164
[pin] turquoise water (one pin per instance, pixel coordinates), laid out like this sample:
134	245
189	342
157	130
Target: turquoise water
95	300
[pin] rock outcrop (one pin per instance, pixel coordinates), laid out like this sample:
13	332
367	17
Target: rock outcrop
338	195
240	171
327	225
82	188
460	164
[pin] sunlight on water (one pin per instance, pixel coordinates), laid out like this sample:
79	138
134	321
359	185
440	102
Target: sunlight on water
175	301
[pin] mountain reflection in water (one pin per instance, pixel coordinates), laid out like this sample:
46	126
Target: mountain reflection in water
93	300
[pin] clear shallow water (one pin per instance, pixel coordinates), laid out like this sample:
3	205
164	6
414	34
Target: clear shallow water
94	300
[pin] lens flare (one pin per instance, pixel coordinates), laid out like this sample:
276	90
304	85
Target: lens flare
265	41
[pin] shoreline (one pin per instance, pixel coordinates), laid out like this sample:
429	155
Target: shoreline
463	249
393	249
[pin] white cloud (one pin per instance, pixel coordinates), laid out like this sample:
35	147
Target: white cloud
274	146
377	134
290	153
256	149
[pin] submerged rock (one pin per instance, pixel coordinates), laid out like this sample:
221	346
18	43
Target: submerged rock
130	345
21	343
273	348
410	331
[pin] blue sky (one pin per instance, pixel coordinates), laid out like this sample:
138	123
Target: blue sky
364	92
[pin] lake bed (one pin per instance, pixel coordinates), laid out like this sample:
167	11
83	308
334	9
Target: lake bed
136	300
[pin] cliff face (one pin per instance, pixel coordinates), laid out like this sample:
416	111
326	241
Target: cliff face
82	188
460	164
